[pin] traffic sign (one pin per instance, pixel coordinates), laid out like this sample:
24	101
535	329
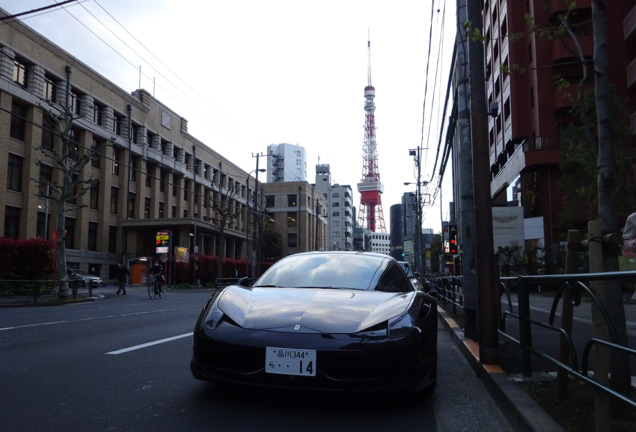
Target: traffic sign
162	241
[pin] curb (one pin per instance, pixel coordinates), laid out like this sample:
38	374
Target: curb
30	303
523	413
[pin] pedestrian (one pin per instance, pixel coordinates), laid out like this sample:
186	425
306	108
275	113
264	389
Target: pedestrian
122	274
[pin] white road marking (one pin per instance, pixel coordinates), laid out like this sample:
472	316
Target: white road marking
91	318
160	341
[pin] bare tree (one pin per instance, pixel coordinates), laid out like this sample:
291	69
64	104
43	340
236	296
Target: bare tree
224	203
68	161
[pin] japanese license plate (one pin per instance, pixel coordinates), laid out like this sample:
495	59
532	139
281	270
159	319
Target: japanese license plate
290	361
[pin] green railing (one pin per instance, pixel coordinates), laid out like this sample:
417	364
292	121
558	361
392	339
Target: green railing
450	295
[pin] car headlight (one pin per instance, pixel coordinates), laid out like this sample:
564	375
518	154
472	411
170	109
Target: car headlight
402	325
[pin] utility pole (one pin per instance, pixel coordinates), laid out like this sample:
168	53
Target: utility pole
256	249
195	247
487	302
463	169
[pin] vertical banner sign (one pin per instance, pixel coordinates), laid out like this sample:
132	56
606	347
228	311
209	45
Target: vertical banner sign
162	242
445	235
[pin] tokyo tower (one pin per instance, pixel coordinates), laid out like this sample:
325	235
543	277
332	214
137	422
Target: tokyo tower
370	214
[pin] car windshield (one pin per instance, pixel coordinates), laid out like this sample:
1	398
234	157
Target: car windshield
333	271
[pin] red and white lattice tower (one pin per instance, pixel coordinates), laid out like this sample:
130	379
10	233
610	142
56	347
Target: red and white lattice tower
370	215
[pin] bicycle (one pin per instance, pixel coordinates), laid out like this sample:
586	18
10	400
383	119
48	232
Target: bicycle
155	286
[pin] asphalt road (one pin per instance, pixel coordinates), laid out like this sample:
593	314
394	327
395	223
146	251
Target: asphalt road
122	364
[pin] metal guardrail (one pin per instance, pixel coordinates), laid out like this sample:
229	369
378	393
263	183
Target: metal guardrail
450	295
450	291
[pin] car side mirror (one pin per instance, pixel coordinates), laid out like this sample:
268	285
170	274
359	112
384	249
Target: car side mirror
244	282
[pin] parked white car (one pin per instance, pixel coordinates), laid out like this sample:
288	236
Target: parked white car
77	280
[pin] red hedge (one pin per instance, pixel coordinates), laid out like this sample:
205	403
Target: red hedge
31	259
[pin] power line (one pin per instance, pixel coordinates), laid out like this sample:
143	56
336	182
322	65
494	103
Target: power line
32	11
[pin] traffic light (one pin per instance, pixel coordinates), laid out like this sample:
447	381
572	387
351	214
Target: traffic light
452	238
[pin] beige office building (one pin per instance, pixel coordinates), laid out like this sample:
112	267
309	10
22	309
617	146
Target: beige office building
155	177
298	211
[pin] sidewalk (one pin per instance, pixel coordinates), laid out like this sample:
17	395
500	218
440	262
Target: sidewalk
523	413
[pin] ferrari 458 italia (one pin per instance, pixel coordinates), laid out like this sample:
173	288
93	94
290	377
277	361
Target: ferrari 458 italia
347	321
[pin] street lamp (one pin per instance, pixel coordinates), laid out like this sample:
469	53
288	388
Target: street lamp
418	223
254	210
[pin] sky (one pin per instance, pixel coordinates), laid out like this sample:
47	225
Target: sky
250	73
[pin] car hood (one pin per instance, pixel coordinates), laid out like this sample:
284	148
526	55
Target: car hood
322	310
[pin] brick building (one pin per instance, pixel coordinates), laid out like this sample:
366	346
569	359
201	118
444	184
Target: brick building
525	135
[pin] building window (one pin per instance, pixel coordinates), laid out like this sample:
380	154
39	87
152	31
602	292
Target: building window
291	200
270	201
150	173
14	173
173	212
186	190
94	196
69	226
18	121
164	178
335	195
112	239
73	144
206	198
175	184
98	117
161	209
114	199
336	213
130	212
147	208
292	241
92	236
117	122
46	177
42	224
291	219
20	73
49	90
74	192
48	133
12	222
116	161
134	133
97	157
76	103
133	169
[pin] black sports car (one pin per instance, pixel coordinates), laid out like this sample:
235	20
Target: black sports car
321	321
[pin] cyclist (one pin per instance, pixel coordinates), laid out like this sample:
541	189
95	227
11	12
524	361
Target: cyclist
157	271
